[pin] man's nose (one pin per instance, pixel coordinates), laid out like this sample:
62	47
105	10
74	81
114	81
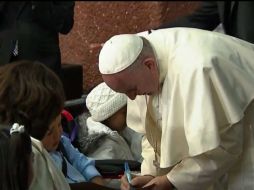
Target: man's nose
132	96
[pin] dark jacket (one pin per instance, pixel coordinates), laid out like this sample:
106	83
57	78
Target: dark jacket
236	17
36	25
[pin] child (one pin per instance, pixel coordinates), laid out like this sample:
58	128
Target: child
75	166
15	158
32	90
105	135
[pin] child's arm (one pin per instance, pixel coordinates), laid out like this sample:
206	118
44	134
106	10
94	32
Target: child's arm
98	180
83	164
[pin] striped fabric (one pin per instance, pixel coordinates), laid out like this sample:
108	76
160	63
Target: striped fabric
16	50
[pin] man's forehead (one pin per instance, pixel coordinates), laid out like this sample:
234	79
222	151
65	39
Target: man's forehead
117	82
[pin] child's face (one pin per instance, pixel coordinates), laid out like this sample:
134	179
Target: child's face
117	121
51	139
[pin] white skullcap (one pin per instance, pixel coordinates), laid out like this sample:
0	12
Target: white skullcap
119	52
102	102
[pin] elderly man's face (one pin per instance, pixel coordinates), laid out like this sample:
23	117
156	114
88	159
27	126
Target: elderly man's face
143	80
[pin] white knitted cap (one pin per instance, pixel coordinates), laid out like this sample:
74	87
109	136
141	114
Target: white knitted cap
102	102
119	52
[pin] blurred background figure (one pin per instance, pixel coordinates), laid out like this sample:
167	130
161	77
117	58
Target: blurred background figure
235	17
30	30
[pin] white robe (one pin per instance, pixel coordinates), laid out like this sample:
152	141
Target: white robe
207	83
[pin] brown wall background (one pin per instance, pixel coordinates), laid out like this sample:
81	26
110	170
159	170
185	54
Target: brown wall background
96	21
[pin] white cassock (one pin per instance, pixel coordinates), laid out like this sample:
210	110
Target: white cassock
203	133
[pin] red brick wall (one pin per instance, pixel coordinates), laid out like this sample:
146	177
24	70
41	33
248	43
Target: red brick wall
95	22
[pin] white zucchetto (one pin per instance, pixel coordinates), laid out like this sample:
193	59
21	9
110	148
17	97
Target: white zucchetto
119	52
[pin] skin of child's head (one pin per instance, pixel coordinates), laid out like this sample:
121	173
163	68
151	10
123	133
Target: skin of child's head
31	93
52	138
117	121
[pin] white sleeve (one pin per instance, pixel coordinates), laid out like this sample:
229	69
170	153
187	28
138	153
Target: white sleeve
136	114
201	171
147	167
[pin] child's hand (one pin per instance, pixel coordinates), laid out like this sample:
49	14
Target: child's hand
98	180
137	181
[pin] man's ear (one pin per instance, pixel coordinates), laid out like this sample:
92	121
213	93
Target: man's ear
150	63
